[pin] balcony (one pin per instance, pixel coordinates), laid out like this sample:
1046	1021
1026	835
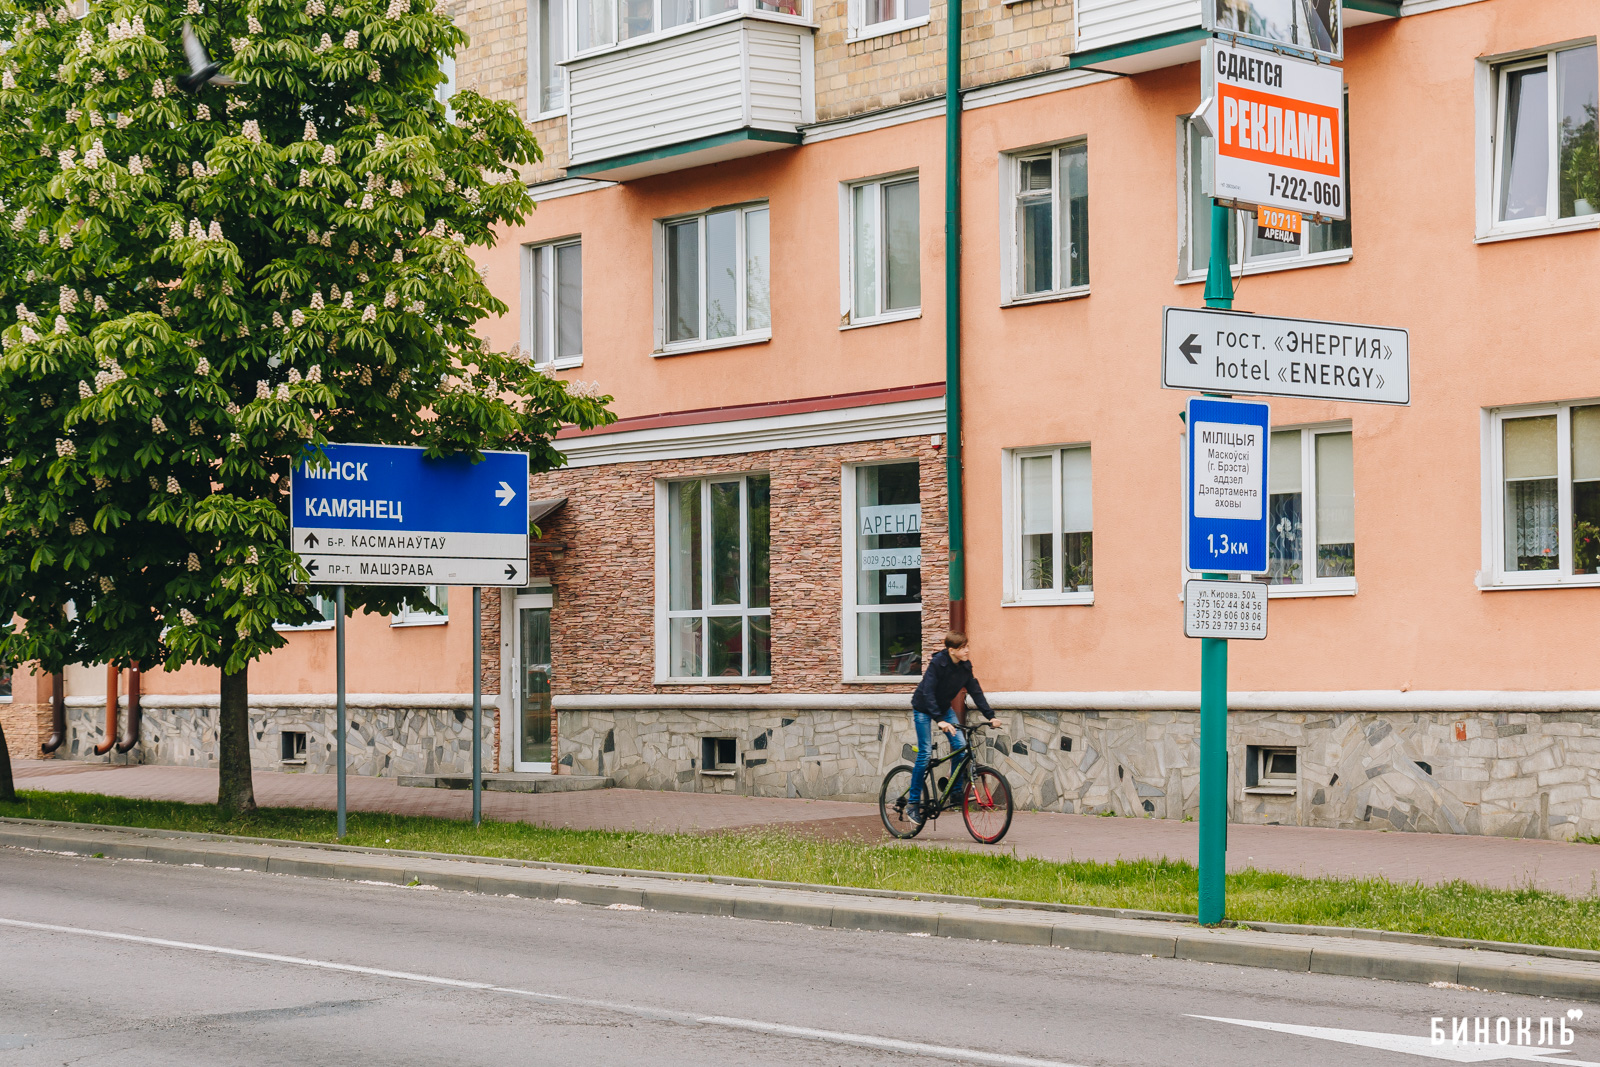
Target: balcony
1133	36
735	85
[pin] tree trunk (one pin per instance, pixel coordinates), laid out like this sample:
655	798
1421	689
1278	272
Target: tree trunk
8	788
236	793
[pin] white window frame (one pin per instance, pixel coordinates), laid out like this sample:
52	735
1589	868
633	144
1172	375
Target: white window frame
663	309
847	523
860	31
1244	224
1011	503
1011	293
1494	575
743	9
848	319
1313	586
326	602
447	88
538	313
1491	71
664	613
409	616
1310	583
537	75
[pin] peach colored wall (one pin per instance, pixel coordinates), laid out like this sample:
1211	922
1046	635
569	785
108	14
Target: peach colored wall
808	354
380	658
1490	325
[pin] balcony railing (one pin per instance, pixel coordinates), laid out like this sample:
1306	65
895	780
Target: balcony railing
732	85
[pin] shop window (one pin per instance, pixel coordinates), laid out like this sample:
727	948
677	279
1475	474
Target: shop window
882	246
716	271
717	615
1051	523
1545	497
884	559
1539	145
1049	223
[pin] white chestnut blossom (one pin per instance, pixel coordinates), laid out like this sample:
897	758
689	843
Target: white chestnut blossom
157	425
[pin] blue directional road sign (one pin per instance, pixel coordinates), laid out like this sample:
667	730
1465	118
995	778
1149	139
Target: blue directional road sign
1226	514
384	515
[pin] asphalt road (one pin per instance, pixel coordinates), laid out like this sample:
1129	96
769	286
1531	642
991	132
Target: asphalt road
123	962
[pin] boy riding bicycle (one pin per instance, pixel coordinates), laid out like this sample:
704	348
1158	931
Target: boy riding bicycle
949	672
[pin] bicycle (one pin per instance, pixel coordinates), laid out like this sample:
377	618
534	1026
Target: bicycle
982	792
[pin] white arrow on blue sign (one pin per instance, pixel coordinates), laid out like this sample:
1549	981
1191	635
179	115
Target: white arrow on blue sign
385	515
1226	515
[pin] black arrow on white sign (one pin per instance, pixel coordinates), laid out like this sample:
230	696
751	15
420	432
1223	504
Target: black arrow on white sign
311	540
1189	348
311	567
511	571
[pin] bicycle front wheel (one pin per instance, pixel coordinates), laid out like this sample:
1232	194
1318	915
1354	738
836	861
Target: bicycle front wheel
893	799
986	805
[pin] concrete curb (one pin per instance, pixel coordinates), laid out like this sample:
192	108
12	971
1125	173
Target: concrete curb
1494	969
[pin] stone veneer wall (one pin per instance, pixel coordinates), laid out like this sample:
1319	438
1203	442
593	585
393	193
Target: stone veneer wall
1507	774
599	553
26	726
383	741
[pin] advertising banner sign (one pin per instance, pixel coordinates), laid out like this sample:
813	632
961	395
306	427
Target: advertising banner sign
1278	131
1312	26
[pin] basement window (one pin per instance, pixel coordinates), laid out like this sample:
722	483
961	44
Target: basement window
718	755
1271	770
294	746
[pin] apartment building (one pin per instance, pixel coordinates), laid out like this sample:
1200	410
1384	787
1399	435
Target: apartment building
741	235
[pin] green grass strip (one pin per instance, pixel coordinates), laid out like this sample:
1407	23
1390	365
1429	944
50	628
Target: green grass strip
1454	909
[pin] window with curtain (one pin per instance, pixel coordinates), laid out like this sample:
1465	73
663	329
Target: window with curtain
873	17
552	303
886	595
547	81
1318	242
719	599
1050	221
1546	144
1054	520
718	277
884	247
1311	499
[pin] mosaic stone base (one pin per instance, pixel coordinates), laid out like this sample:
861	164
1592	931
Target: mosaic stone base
1506	774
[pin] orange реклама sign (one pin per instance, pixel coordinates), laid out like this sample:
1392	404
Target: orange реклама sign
1278	125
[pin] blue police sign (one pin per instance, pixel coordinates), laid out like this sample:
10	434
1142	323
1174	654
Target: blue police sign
1226	515
384	515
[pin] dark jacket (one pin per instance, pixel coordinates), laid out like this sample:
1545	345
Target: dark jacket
944	679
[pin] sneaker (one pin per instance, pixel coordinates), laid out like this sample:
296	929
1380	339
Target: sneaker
914	812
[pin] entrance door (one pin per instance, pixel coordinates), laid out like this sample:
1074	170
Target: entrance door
533	682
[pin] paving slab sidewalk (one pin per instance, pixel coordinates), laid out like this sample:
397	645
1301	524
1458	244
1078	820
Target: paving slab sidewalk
1576	977
1430	858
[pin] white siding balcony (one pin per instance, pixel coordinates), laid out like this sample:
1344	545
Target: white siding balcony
1132	36
735	84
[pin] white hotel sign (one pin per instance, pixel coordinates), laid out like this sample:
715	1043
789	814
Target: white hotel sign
1277	127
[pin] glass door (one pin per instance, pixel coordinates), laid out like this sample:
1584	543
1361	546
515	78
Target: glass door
533	682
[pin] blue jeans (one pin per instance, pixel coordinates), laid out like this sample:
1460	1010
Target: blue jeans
924	723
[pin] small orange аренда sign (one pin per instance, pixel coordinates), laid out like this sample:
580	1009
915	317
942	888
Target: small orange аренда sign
1276	224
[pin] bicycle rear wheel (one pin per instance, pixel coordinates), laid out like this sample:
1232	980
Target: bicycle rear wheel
986	805
892	801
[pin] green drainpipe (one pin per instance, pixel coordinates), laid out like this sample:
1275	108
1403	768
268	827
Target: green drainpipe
952	315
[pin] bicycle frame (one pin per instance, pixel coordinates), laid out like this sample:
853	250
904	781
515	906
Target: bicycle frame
962	759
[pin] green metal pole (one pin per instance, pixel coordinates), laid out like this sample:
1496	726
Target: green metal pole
952	316
1214	663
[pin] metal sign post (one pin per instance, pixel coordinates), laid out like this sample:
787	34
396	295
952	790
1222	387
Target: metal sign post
338	726
477	710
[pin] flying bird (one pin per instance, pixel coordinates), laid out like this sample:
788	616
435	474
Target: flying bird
201	70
